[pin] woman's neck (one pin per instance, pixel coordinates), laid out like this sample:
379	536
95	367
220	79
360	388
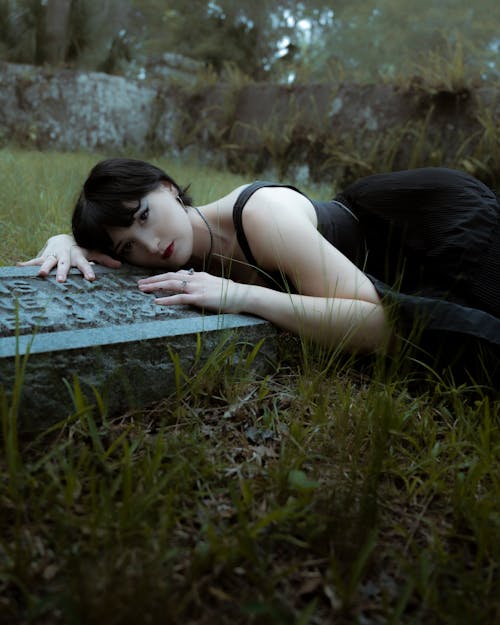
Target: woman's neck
217	218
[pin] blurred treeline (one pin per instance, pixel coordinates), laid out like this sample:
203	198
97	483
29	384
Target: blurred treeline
275	40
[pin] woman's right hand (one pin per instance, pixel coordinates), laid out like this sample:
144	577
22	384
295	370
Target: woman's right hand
62	252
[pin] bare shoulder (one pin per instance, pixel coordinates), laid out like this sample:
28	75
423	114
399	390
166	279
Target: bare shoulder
278	202
276	220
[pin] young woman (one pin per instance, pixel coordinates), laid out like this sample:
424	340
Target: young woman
412	253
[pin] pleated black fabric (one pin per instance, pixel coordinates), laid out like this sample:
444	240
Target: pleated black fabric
432	240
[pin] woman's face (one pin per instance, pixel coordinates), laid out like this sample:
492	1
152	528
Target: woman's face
160	235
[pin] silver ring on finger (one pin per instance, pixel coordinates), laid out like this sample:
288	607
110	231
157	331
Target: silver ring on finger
184	285
191	271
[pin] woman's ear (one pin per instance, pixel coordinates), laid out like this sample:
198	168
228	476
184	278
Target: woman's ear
172	188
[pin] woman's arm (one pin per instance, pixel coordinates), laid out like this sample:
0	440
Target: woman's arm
62	252
353	324
336	303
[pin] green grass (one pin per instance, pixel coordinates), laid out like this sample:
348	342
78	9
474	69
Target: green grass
321	493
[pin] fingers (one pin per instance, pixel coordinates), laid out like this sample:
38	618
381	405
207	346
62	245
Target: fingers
80	261
192	288
177	284
63	265
154	279
73	256
47	263
176	299
86	269
84	263
183	285
165	277
31	262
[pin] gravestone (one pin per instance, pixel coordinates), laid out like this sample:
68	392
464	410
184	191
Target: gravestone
110	337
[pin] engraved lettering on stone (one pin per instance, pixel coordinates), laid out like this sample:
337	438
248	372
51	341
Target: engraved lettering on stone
31	303
8	304
20	286
7	322
52	306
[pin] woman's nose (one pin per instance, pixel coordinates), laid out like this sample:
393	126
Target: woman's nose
150	243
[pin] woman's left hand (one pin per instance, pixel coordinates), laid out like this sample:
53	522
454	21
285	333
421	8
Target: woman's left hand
196	288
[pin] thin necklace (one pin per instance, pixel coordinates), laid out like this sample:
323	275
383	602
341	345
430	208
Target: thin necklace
208	257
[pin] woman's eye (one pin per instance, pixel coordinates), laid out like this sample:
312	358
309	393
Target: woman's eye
144	214
126	248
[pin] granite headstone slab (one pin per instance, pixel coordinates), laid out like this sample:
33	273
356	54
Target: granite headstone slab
106	333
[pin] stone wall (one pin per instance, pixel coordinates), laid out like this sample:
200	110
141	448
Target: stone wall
321	130
346	130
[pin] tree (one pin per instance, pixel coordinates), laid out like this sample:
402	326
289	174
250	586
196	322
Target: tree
278	40
247	35
391	37
79	33
52	22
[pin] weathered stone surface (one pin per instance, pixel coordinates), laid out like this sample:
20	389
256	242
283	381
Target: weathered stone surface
107	334
70	110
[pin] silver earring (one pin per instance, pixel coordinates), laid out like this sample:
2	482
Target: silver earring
179	199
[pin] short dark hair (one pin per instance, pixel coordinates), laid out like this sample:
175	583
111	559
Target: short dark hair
110	186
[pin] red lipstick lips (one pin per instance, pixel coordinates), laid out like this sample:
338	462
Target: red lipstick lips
169	251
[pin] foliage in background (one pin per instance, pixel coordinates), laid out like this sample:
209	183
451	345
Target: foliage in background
77	33
375	39
287	40
256	37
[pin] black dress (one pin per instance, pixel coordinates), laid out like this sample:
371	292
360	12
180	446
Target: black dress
428	239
